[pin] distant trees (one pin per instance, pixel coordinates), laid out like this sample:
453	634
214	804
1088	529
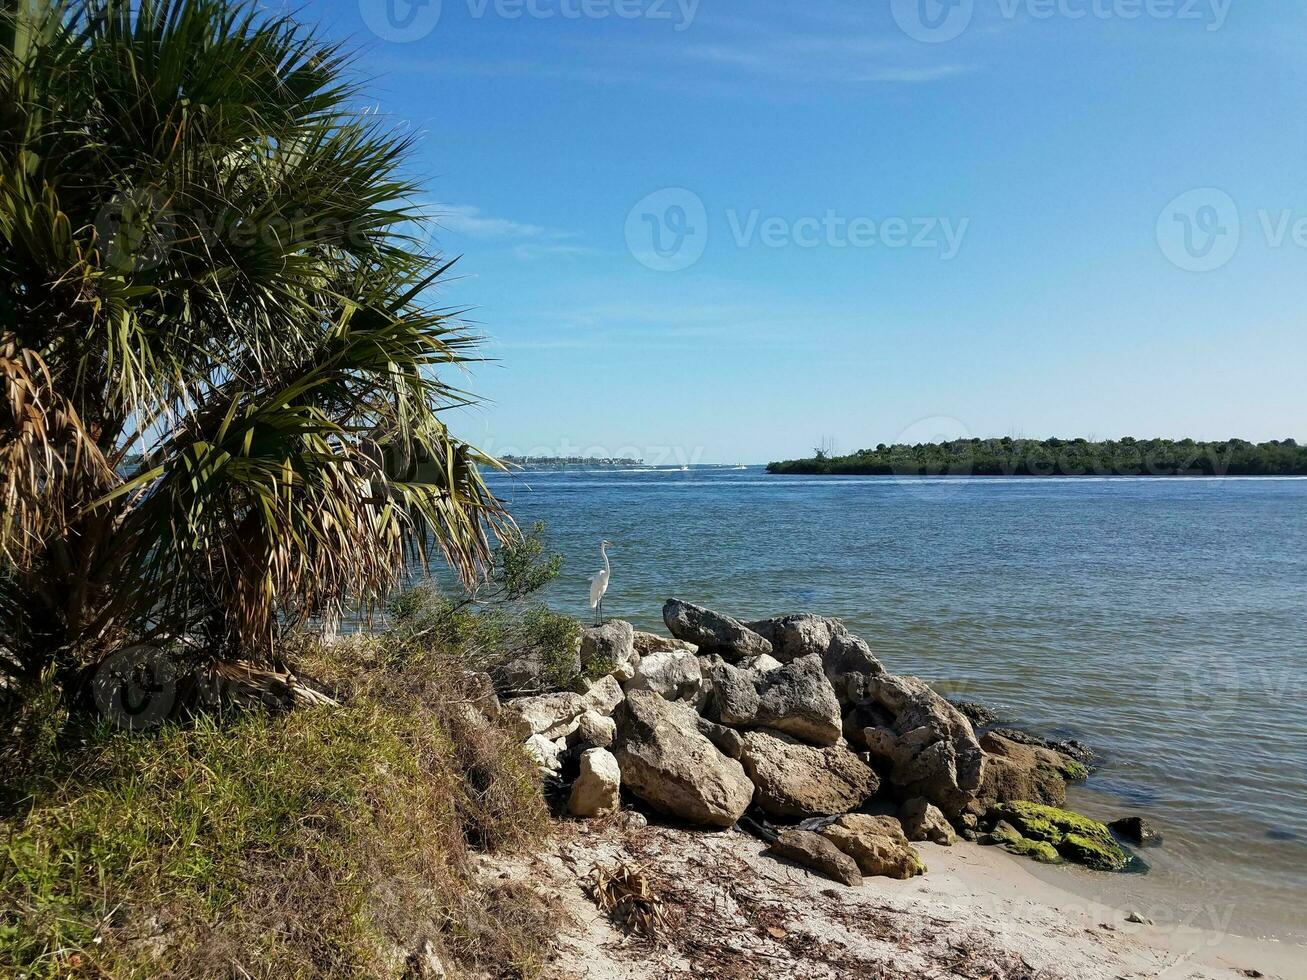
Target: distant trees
1062	457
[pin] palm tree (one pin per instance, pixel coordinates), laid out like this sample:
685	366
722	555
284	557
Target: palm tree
215	329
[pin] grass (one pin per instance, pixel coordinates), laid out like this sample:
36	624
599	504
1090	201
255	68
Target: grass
324	842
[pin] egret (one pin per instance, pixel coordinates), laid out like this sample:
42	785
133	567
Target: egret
599	581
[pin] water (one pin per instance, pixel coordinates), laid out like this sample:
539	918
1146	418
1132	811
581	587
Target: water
1159	620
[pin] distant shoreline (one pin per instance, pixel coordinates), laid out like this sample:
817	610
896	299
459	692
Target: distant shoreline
1060	458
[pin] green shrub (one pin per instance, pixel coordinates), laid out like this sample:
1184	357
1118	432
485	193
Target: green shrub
319	842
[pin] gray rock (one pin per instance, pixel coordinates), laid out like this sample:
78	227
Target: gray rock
551	715
846	658
598	788
930	746
922	820
712	632
530	674
606	648
647	643
728	741
761	663
1136	830
816	852
595	730
674	674
666	762
796	780
604	695
546	753
975	712
796	699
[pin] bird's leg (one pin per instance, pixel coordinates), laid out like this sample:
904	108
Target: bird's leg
601	610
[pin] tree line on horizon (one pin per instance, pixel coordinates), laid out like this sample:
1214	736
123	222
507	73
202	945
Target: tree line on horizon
1060	457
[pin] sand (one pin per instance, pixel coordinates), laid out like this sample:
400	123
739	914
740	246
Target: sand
734	912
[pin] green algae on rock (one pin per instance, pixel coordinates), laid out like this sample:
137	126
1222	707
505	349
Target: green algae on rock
1075	837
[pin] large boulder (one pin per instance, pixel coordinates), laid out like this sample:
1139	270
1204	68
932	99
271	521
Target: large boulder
674	674
669	764
847	659
1014	771
796	780
547	754
816	852
712	632
877	844
929	748
607	648
796	699
597	789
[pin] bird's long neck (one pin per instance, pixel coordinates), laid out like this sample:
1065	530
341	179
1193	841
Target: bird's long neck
603	550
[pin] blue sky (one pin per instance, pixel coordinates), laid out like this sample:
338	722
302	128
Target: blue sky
721	231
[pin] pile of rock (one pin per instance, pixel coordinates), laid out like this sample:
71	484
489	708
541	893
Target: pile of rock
793	716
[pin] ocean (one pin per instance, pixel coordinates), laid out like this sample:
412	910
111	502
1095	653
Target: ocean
1159	620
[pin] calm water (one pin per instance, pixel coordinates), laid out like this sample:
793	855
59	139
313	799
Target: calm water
1159	620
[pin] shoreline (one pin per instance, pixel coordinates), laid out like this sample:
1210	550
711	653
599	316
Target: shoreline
754	912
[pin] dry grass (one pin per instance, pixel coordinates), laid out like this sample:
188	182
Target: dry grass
322	842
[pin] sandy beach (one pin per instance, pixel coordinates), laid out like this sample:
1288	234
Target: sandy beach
735	912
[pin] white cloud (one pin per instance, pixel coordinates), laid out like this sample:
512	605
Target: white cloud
468	220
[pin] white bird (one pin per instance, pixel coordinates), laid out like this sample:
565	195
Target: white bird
599	581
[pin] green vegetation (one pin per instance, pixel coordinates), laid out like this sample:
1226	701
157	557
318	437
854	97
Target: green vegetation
1062	457
319	842
220	355
1077	838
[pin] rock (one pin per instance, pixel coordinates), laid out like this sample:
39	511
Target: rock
1072	748
728	741
479	689
846	659
930	746
424	963
674	674
595	730
922	820
546	753
797	780
877	844
598	789
551	715
531	673
796	699
712	632
1037	850
761	663
606	648
647	643
604	695
1076	838
1136	830
975	712
666	762
816	852
1021	772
